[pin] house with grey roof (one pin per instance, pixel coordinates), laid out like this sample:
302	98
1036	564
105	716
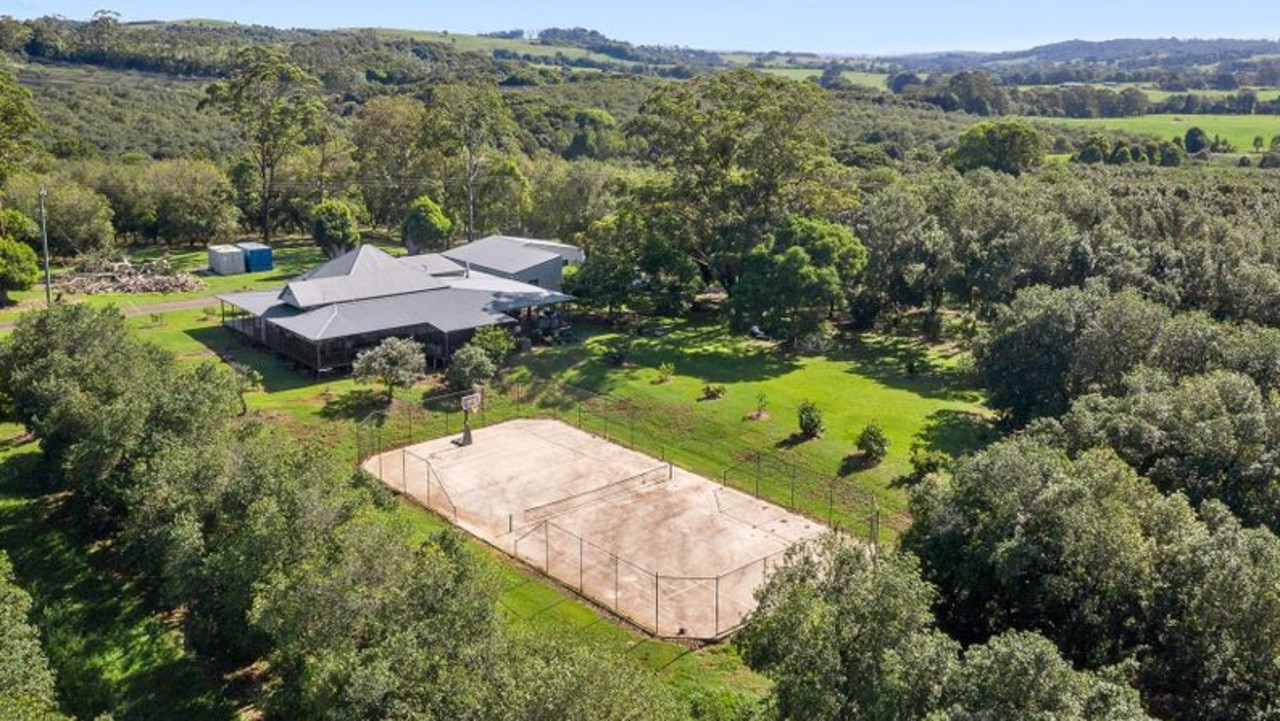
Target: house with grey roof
326	316
528	260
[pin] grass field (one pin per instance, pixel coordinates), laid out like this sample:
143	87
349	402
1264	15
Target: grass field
1239	129
877	81
1156	95
864	378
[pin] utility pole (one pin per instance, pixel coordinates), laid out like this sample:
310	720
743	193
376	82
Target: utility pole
44	241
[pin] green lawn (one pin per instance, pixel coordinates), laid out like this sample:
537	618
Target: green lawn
912	389
1239	129
111	652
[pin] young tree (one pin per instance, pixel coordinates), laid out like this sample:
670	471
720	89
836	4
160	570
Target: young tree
425	226
809	416
333	226
873	443
395	363
470	367
19	268
275	104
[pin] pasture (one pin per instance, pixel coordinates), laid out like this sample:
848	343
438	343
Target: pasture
1240	130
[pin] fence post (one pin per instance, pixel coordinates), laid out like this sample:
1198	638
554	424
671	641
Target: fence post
546	543
757	474
615	581
631	418
793	487
410	424
404	471
580	553
717	628
656	596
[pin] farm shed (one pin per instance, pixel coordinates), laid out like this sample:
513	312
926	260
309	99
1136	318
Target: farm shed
323	318
226	260
536	262
257	257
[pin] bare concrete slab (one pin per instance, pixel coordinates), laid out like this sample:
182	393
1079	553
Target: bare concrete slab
674	552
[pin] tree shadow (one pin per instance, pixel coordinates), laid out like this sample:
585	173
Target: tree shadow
278	373
905	363
854	463
354	405
793	441
110	651
957	432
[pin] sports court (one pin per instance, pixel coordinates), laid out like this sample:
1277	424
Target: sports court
673	552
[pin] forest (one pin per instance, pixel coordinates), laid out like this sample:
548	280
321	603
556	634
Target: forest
1107	552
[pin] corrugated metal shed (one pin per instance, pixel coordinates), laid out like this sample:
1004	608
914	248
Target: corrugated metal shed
500	255
226	260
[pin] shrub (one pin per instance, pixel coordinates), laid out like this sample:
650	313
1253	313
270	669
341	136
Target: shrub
619	350
873	443
762	404
496	343
470	367
810	418
713	391
665	371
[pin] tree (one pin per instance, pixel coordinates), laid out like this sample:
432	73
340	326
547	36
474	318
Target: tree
495	341
79	219
26	683
395	363
1195	140
425	226
810	268
470	122
745	152
18	120
19	268
809	417
388	134
274	104
873	443
1009	146
333	226
470	367
191	201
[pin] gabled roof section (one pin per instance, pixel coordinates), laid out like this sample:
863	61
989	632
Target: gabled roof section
433	263
360	274
500	254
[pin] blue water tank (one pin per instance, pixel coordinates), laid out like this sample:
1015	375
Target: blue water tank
257	257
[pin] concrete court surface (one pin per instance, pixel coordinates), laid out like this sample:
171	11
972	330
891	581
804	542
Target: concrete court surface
673	552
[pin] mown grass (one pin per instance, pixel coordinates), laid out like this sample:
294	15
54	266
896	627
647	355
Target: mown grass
913	389
877	81
1240	130
111	652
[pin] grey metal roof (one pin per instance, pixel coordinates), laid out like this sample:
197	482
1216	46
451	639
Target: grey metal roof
433	263
472	302
571	253
500	254
361	274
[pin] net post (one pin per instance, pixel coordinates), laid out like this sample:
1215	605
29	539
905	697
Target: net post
615	581
580	555
546	547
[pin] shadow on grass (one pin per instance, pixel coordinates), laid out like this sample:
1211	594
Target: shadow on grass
793	441
956	432
110	653
855	463
903	363
354	405
278	374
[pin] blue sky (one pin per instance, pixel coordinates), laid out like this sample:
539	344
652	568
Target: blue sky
852	27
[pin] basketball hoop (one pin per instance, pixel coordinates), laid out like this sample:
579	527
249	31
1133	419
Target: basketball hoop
471	402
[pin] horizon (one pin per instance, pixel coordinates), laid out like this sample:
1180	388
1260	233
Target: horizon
824	27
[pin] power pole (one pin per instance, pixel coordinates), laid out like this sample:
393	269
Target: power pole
44	241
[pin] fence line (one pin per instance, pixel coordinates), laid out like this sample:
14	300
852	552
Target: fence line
760	472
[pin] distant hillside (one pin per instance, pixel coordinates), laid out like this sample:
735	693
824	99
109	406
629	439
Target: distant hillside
1123	53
